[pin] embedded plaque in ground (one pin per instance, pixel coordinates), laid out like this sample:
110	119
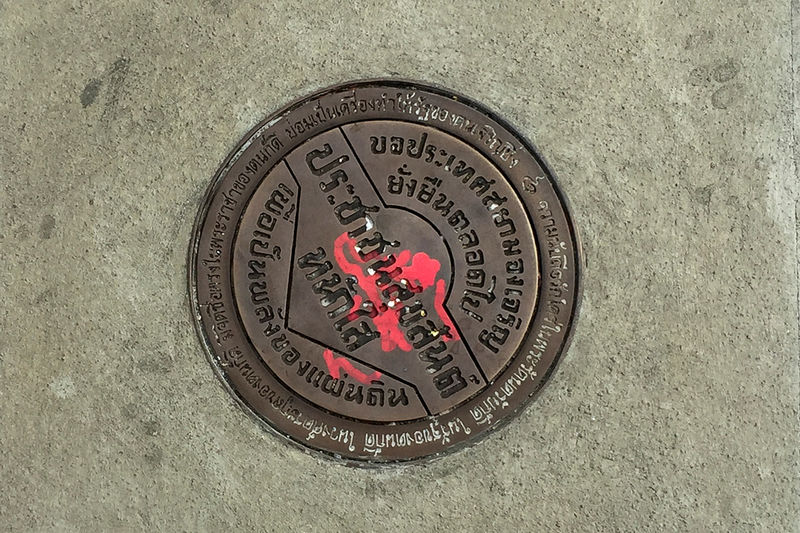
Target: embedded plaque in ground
384	271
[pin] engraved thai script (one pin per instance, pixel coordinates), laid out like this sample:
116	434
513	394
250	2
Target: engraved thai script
234	358
500	149
481	288
438	432
222	217
443	161
556	284
270	146
482	413
391	282
315	429
214	308
339	298
321	429
350	103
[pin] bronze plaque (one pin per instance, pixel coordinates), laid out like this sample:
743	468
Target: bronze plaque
384	271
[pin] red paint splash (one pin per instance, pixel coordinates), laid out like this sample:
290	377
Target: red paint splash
438	304
335	364
419	271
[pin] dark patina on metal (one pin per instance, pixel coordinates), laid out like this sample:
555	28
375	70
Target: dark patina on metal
384	271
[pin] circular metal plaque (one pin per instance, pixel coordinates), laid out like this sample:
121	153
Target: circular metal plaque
384	271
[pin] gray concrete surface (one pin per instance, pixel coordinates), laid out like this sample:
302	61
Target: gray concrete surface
671	127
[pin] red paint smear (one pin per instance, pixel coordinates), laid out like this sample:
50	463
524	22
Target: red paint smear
357	300
420	271
386	321
438	304
335	364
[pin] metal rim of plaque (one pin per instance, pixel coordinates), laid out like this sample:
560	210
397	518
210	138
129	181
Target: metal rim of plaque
384	271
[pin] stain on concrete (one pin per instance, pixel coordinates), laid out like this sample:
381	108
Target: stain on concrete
764	163
726	71
90	92
117	75
140	421
709	74
374	489
155	362
699	76
154	455
151	427
45	296
699	38
703	195
115	79
47	226
725	97
222	7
